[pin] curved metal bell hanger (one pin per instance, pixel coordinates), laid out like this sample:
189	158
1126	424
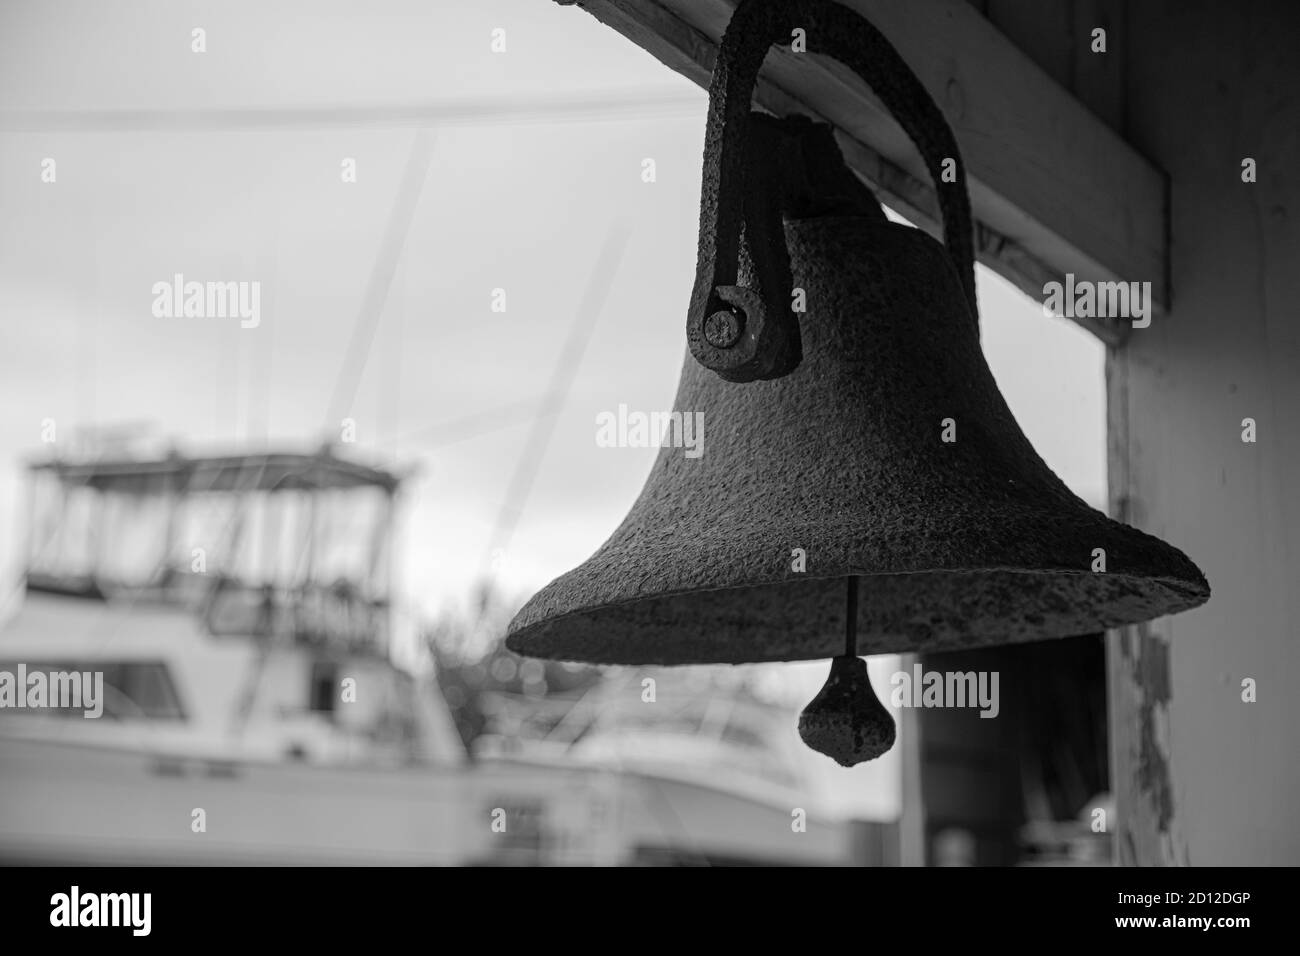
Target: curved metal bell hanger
748	334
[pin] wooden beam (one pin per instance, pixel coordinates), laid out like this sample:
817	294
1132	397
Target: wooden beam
1053	188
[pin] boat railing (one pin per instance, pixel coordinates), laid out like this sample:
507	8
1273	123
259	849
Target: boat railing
279	546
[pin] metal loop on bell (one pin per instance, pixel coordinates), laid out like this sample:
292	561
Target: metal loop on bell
913	543
734	201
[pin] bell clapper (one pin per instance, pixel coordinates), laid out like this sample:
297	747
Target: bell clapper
845	720
851	619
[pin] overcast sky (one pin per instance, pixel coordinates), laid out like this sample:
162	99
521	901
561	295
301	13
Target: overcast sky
528	180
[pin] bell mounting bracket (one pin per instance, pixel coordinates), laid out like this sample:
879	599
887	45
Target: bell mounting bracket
760	170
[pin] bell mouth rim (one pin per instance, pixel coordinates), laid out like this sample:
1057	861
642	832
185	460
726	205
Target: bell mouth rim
1160	596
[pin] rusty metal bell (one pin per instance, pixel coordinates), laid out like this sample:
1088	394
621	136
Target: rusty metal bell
862	439
957	543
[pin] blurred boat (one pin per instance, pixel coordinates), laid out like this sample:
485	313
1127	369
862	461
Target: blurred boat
711	772
239	609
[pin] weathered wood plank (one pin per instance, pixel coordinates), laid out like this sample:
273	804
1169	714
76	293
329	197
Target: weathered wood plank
1042	31
1098	80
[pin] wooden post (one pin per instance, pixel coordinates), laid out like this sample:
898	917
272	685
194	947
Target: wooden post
1203	776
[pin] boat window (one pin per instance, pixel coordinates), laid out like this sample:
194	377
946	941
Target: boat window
324	687
132	689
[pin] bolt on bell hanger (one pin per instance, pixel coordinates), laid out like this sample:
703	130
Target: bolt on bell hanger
825	433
